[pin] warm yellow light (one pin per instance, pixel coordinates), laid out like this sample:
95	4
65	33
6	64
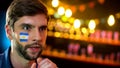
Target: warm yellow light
61	10
71	36
67	25
50	33
77	23
56	15
71	20
92	25
111	20
84	30
92	31
68	13
55	3
57	34
64	18
71	31
66	35
51	11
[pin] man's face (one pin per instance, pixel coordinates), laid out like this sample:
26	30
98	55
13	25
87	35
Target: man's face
35	27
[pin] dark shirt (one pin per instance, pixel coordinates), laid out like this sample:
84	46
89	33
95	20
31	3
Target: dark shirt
5	59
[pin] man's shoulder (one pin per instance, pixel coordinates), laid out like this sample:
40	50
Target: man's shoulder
4	60
1	58
4	53
1	55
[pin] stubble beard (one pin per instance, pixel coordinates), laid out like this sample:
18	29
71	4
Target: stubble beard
22	51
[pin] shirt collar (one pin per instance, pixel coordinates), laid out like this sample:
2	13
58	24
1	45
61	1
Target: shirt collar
7	56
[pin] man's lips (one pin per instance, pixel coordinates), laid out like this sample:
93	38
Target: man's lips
34	49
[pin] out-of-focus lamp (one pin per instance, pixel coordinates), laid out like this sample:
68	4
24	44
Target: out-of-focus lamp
61	10
92	25
111	20
55	3
68	13
77	23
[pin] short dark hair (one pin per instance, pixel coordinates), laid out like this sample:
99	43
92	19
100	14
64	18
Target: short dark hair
20	8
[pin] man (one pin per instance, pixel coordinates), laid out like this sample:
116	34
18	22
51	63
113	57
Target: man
26	27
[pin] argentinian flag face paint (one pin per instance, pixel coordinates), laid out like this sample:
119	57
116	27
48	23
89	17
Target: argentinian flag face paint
24	37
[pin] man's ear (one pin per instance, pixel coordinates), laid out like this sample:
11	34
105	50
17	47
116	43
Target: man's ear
8	31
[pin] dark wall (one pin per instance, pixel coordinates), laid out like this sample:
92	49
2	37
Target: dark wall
4	41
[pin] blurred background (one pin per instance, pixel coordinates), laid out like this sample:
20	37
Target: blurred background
80	32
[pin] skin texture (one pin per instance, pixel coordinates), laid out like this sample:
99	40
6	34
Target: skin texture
27	52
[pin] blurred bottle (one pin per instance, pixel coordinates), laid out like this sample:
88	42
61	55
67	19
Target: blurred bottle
97	35
100	57
92	36
109	36
83	52
112	57
116	36
107	58
70	48
118	57
103	35
90	50
76	48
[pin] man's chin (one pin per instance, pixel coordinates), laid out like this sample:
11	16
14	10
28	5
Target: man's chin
32	56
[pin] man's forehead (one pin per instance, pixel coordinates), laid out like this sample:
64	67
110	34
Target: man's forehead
33	20
32	25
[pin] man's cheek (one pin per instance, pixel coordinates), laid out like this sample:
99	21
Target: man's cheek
24	36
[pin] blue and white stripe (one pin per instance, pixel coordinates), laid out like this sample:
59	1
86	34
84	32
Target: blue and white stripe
23	37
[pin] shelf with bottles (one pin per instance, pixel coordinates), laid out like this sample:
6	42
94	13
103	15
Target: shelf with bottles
106	46
99	36
62	54
90	52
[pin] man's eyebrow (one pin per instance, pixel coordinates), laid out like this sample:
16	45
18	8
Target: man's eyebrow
43	26
25	24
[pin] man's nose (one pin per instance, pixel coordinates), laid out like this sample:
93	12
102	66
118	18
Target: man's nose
37	35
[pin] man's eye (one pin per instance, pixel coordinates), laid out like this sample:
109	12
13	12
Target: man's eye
26	28
43	28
